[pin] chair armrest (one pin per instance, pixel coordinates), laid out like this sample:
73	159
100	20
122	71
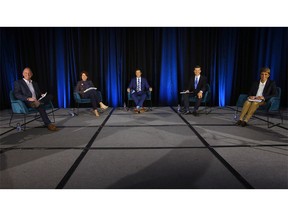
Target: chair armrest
273	104
76	96
19	106
241	100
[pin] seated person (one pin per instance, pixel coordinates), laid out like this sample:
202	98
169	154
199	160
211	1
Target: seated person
196	88
28	91
261	90
138	87
93	94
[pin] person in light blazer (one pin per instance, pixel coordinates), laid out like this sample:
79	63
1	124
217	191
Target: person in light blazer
96	99
138	88
261	90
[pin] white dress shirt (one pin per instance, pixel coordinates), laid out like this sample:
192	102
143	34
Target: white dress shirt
31	88
261	88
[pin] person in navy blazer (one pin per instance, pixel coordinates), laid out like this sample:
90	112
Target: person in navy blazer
29	92
261	90
195	90
138	87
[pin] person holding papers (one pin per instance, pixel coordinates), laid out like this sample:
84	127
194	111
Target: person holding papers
196	88
28	91
260	92
86	89
138	88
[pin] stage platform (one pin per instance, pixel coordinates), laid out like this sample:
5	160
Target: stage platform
159	149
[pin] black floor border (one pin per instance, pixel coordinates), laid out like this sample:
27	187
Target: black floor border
74	166
138	148
234	172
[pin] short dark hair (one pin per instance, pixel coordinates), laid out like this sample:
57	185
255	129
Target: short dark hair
138	69
197	66
265	69
83	72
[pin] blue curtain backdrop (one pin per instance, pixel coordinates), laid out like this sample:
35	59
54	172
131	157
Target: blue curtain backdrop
230	58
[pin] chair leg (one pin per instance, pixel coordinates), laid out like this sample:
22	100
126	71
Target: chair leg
78	108
53	115
24	122
11	118
150	105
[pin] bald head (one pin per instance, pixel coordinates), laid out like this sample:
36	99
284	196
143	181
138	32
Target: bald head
27	73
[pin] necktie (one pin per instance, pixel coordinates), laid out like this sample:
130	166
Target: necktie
138	84
196	83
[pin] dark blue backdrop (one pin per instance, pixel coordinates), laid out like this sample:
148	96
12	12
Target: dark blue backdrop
230	58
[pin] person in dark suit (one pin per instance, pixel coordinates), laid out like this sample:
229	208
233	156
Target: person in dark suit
196	88
28	91
138	87
93	94
261	90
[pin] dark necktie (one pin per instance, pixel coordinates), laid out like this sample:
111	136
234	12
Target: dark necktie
196	82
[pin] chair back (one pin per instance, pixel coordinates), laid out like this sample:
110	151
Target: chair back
273	104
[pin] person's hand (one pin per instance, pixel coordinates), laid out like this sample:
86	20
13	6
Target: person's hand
150	89
128	90
31	99
260	98
200	94
252	97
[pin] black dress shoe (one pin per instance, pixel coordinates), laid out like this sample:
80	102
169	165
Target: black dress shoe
244	124
239	122
195	113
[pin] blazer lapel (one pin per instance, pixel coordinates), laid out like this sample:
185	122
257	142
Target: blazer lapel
25	86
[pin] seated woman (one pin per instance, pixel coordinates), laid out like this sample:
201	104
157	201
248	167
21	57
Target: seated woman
260	92
84	91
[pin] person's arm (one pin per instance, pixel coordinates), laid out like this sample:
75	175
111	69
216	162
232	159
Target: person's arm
78	87
204	83
91	84
190	85
272	92
18	92
147	86
252	93
130	86
203	87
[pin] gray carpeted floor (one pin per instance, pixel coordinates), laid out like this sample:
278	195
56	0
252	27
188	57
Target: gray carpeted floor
154	150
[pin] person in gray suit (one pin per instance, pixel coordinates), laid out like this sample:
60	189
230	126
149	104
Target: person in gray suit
29	92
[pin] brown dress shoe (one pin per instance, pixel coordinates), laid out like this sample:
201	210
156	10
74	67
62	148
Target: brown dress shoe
239	122
142	110
52	127
244	124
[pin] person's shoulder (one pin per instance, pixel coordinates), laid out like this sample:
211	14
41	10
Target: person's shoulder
20	81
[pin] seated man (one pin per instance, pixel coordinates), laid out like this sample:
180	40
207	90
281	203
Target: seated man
138	87
261	90
196	88
28	92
